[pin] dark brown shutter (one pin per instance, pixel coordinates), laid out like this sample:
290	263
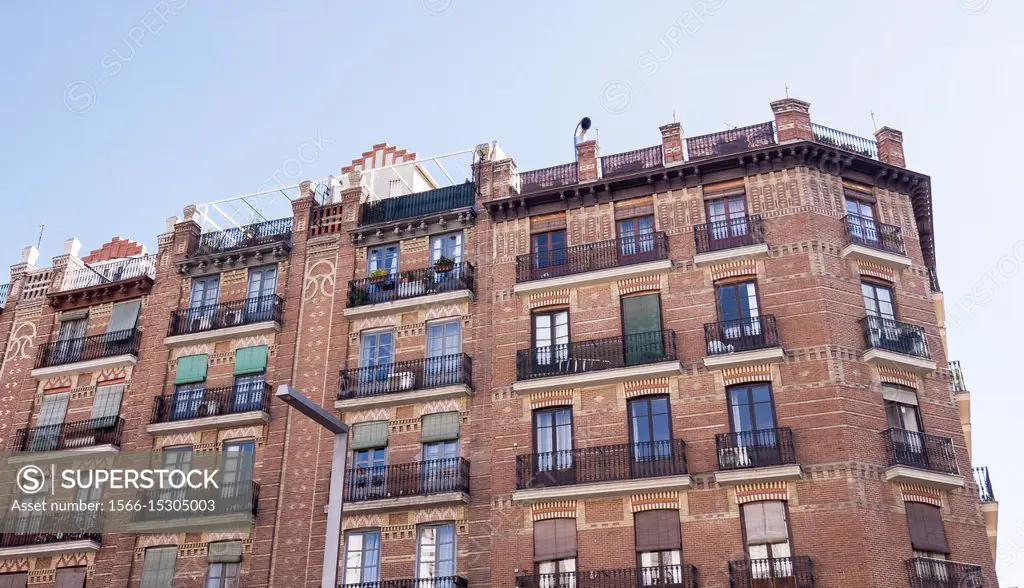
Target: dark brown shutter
19	580
926	530
657	530
554	539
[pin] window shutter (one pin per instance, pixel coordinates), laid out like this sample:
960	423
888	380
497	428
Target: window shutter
107	401
158	567
899	394
657	530
554	539
224	552
440	426
926	530
765	522
727	188
191	369
251	360
124	316
53	409
19	580
70	577
370	435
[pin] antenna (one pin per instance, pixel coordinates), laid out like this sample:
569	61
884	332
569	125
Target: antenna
873	123
787	89
674	115
39	241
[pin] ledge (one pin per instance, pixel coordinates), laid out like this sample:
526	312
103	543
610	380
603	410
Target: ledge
599	377
862	253
253	417
733	254
399	398
594	277
765	474
57	548
603	489
407	502
63	454
393	306
224	522
743	358
901	473
90	365
882	357
223	333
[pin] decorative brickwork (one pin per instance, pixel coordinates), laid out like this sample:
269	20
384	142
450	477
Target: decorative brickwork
913	493
565	509
763	491
654	501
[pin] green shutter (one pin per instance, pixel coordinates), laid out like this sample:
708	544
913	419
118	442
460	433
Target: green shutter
440	426
251	360
370	435
191	369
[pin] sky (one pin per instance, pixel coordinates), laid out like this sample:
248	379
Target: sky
115	115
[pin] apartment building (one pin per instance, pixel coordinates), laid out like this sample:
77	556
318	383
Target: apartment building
716	361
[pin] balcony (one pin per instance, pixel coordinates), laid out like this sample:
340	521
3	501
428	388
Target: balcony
106	281
597	362
211	408
779	572
557	176
437	582
441	200
925	572
409	485
845	141
917	458
101	435
984	482
610	470
241	247
420	288
593	263
670	576
764	455
405	382
730	240
620	164
236	507
957	376
731	141
82	354
870	240
39	534
895	344
252	316
741	342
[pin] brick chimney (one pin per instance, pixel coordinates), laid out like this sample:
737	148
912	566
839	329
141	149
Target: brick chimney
672	143
792	120
890	146
588	163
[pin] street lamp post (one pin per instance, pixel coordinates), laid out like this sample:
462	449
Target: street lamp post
336	494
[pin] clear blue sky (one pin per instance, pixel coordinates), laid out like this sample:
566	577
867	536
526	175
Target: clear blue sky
212	98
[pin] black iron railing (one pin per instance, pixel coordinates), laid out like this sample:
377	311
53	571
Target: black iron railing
890	335
981	478
88	348
925	572
918	450
845	141
731	141
755	449
566	174
670	576
411	284
862	230
209	402
778	572
933	280
405	376
37	528
592	256
420	478
745	334
71	435
4	289
418	204
957	376
436	582
595	354
727	234
226	314
240	497
608	463
108	272
252	235
619	164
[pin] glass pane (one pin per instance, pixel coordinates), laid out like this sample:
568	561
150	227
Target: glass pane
728	303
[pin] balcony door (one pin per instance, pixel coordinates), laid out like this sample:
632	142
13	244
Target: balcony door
435	555
755	441
883	330
444	344
552	442
369	473
908	441
362	557
551	342
259	302
650	433
766	532
636	237
175	458
70	341
727	221
548	250
237	472
861	221
739	318
643	339
440	465
46	434
202	303
376	354
382	270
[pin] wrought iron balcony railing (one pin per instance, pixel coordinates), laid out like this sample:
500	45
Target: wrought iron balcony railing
984	482
417	204
226	314
728	234
918	450
957	375
595	355
608	463
420	478
845	141
890	335
406	376
925	572
436	582
755	449
70	435
549	177
411	284
271	231
731	141
88	348
778	572
592	257
619	164
231	498
37	528
861	230
116	270
746	334
209	402
670	576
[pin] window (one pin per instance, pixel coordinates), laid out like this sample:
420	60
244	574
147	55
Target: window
123	318
16	580
249	388
767	539
158	567
861	219
658	544
204	292
878	300
650	428
369	458
641	329
752	418
552	430
444	345
189	386
237	470
395	188
376	355
70	341
554	552
737	302
175	458
69	577
362	557
222	575
550	338
46	434
727	217
435	551
259	295
636	235
549	248
383	258
927	533
106	405
449	246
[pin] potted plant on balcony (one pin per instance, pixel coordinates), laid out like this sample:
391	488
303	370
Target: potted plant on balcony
380	277
444	264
